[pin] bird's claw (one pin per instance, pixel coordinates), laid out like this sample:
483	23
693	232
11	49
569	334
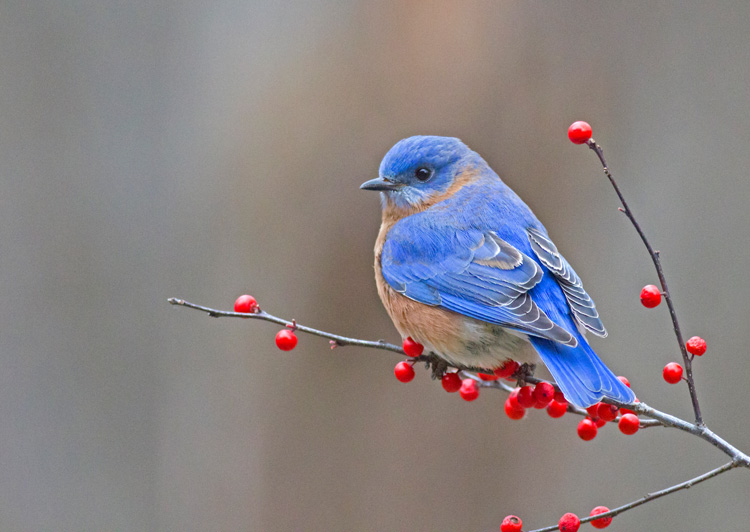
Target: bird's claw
437	364
524	371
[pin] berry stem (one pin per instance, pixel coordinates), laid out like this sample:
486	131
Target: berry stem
651	496
660	272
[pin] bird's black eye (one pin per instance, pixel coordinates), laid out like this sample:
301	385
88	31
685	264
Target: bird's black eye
422	173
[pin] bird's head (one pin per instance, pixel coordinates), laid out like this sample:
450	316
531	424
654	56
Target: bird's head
419	169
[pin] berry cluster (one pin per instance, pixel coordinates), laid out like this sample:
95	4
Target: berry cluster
600	414
568	522
543	395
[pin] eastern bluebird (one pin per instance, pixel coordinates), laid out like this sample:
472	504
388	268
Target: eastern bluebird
464	267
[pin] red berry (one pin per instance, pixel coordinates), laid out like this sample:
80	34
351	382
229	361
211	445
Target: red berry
451	382
587	429
598	422
569	523
526	397
556	409
579	132
607	412
650	296
560	397
604	521
513	398
593	410
539	404
246	304
696	346
511	524
412	348
286	340
624	380
544	392
469	390
629	424
672	373
487	377
508	368
404	372
512	410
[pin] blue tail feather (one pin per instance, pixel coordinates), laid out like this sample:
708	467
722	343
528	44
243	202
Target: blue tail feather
581	375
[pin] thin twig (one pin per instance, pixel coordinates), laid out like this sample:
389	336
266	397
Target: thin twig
687	360
652	496
261	315
335	339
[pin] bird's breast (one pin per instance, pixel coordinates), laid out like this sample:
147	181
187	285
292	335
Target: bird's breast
430	326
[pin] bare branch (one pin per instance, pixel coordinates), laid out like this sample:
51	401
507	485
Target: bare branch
687	360
652	496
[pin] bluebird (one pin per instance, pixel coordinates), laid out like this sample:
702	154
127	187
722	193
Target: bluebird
464	267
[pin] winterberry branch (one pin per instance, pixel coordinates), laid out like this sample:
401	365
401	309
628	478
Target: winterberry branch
625	209
651	496
336	340
573	409
660	418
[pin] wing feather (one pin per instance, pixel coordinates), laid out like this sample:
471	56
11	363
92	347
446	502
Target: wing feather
581	304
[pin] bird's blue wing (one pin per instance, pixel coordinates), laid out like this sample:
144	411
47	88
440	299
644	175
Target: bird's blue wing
469	271
581	304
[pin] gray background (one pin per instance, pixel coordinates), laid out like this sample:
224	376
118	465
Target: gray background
206	149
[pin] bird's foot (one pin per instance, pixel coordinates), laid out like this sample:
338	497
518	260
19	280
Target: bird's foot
525	370
437	364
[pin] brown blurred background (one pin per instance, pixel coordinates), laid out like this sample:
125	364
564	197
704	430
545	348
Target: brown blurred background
207	149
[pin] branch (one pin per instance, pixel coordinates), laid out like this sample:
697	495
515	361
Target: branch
660	418
652	496
335	339
573	409
687	360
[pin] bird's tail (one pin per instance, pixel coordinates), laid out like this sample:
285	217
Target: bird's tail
581	375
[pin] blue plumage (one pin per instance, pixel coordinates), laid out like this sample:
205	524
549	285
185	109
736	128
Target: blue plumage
466	243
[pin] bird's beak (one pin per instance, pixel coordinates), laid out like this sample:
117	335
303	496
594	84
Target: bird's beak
380	183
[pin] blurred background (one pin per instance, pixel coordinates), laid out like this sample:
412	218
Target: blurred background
207	149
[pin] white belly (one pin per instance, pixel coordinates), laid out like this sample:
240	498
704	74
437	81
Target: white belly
487	346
